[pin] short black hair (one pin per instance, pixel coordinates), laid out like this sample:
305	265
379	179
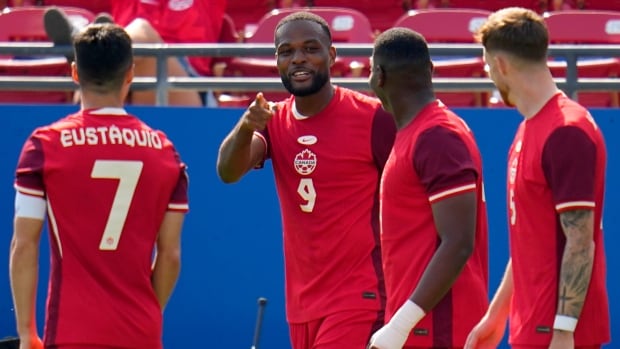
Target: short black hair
306	16
103	55
402	48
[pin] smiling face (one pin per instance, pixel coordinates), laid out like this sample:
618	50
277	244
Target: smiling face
304	57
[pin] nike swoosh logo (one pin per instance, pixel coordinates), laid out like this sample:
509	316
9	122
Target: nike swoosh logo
307	140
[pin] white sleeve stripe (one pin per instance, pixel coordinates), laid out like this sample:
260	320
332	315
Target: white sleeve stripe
565	205
452	191
29	191
178	206
28	206
55	229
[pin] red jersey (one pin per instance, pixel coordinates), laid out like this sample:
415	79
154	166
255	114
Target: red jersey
434	157
108	180
556	163
177	21
327	169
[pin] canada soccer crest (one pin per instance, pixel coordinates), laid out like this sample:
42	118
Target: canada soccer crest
305	162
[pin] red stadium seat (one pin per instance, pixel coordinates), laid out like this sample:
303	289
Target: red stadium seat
381	14
592	68
56	66
536	5
26	24
245	15
595	27
458	25
463	25
347	26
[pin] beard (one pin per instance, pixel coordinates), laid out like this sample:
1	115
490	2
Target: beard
318	81
505	97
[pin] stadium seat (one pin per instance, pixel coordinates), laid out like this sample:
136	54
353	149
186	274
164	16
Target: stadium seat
459	24
246	16
595	27
55	66
347	26
25	24
535	5
381	14
463	25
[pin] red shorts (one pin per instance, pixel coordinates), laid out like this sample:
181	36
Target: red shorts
346	329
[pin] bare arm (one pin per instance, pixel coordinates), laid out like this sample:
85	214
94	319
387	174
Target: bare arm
577	261
241	150
490	329
167	263
455	219
24	268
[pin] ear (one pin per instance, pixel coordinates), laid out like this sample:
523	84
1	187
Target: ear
74	73
379	72
332	55
130	74
502	63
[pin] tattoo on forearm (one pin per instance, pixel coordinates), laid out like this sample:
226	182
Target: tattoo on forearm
577	261
575	219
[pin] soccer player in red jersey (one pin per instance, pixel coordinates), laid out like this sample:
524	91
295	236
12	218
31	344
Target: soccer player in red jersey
553	290
115	192
328	146
433	212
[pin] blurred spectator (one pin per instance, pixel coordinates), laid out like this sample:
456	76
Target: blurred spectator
162	21
561	5
94	6
17	3
274	4
426	4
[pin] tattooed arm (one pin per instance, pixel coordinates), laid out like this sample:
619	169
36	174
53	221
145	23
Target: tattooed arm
576	270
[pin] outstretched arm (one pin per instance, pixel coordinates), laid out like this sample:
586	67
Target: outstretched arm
241	150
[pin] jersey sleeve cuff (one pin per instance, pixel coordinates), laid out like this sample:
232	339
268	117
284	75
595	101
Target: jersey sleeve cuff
575	205
452	192
262	138
178	207
29	191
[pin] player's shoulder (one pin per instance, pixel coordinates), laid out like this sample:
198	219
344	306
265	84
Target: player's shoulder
358	99
68	121
576	115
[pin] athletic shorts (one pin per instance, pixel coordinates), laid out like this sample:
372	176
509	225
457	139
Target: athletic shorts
347	329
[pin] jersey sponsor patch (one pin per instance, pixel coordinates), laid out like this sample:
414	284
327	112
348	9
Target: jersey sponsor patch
307	140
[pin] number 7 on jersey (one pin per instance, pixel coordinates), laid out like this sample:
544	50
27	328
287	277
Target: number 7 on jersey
128	173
